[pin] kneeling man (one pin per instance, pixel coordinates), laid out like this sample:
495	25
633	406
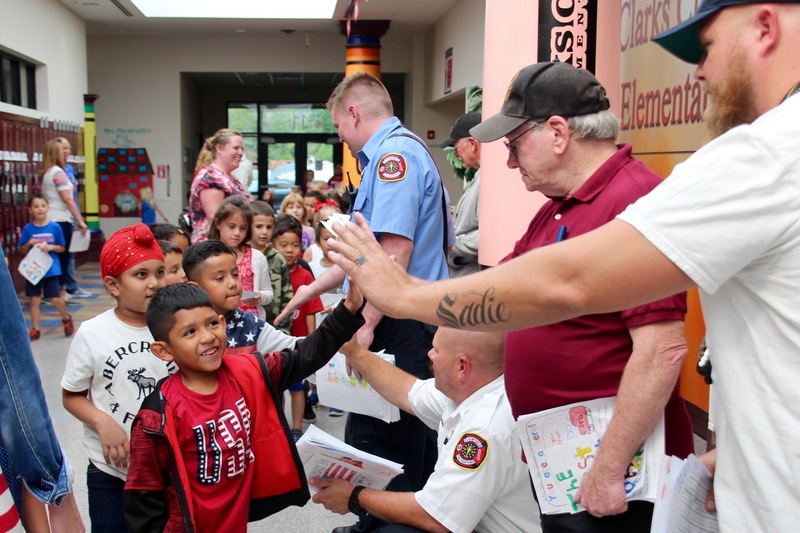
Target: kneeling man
480	482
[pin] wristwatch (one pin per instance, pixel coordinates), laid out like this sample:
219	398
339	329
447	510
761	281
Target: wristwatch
352	503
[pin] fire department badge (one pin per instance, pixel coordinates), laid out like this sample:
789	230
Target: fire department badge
471	451
392	167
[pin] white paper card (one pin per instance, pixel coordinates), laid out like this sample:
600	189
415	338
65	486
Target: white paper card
333	219
35	265
80	242
325	456
336	389
560	445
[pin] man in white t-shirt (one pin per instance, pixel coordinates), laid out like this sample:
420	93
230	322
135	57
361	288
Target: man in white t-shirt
479	482
725	221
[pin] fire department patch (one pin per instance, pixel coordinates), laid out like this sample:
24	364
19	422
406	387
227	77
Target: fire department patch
471	451
392	167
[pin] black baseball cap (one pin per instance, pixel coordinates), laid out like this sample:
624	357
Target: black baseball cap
542	91
683	40
461	128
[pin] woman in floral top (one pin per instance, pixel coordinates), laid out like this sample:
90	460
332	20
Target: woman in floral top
214	183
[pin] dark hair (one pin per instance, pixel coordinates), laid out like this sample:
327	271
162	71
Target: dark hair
197	254
37	196
168	301
346	199
262	208
165	232
230	206
331	194
315	194
285	223
318	232
169	247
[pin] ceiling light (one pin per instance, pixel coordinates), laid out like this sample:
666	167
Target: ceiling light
237	9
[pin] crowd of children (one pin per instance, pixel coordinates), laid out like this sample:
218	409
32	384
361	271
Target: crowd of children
170	382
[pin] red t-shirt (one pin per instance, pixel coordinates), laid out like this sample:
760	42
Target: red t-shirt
583	358
300	276
214	438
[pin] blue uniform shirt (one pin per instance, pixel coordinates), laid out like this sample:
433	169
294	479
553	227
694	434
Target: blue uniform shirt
401	193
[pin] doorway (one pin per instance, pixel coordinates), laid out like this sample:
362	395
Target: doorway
284	159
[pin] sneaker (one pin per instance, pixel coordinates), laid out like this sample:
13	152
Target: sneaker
296	434
313	399
335	412
308	413
69	326
81	293
34	334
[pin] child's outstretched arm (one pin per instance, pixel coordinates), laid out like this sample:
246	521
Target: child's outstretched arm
313	351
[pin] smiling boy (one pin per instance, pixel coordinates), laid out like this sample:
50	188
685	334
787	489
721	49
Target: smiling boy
195	441
212	266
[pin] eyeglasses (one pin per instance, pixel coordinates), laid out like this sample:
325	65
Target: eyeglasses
512	148
459	142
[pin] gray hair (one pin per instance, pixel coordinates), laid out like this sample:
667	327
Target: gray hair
598	126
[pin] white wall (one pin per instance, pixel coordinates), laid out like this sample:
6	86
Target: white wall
461	29
143	101
51	36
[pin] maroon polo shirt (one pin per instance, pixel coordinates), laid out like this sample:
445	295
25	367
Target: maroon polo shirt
583	358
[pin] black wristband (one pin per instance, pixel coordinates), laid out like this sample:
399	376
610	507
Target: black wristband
352	503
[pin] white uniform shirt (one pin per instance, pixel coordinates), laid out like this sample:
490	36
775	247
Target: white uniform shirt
112	360
480	482
729	218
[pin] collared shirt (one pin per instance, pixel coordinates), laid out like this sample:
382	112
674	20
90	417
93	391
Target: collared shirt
479	483
401	193
583	358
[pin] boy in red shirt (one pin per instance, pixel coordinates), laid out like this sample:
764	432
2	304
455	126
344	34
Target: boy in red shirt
287	238
214	431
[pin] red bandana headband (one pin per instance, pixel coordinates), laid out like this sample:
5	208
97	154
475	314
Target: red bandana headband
329	202
127	248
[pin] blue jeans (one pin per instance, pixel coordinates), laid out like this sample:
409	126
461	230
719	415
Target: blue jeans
67	279
106	501
27	437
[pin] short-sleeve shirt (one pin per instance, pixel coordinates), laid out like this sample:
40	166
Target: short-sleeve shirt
281	287
583	358
148	212
51	234
479	482
300	276
729	218
55	181
214	432
333	296
112	360
401	193
210	178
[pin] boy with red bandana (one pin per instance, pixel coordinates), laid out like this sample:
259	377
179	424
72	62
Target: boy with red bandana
110	369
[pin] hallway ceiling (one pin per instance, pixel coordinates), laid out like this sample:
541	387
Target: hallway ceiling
121	18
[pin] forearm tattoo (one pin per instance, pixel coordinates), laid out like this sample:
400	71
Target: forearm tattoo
471	308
